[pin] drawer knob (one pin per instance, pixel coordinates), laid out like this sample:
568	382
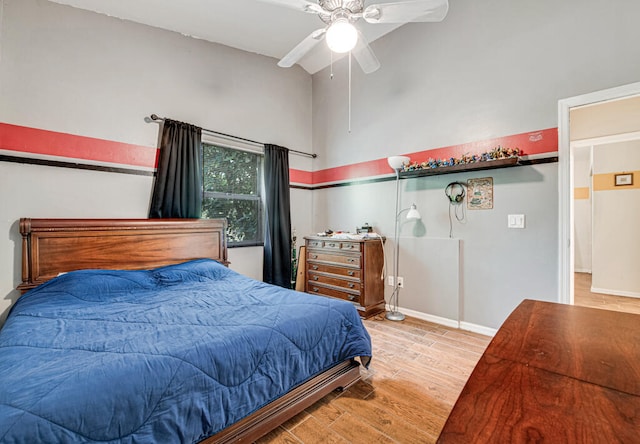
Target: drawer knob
351	285
315	278
332	244
351	297
350	273
351	260
315	267
316	289
314	256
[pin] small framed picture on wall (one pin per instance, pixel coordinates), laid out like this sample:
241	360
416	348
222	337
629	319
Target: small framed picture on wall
480	193
624	179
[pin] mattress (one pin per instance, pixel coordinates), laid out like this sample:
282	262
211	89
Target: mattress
174	354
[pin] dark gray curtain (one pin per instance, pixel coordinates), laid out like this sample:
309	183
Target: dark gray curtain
277	237
177	190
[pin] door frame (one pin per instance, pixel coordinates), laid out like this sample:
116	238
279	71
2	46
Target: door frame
565	181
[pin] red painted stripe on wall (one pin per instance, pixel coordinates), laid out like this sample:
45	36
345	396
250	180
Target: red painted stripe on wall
354	171
37	141
51	143
537	142
300	176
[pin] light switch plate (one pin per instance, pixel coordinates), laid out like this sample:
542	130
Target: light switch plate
515	221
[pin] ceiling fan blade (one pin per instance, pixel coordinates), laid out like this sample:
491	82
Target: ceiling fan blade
302	48
300	5
365	56
407	11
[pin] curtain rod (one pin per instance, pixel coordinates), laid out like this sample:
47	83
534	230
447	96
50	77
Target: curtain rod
301	153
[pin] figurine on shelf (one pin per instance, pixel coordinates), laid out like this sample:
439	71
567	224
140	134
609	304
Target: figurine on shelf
496	153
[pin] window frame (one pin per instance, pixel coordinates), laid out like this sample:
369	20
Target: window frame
258	197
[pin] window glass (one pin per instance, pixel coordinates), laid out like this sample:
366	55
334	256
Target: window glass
232	189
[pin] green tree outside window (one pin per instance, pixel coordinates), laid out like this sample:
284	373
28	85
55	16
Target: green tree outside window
232	185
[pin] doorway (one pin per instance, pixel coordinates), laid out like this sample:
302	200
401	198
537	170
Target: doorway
566	180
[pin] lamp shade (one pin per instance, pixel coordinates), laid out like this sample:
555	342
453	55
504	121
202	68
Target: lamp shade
341	36
396	162
413	212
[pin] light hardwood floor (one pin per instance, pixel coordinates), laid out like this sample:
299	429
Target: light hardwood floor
584	297
416	375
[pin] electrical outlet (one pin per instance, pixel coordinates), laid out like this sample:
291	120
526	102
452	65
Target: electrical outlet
390	280
400	282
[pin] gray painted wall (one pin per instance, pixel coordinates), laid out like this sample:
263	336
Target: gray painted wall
491	69
67	70
497	266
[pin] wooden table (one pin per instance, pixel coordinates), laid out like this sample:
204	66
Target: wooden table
554	373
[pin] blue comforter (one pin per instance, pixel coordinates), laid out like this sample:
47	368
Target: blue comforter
174	354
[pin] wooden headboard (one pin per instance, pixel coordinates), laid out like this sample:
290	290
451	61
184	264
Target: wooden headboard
53	246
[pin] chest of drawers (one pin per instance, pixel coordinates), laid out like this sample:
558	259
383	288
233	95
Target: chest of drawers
347	269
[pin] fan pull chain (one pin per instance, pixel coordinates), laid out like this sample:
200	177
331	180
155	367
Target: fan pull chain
331	64
349	91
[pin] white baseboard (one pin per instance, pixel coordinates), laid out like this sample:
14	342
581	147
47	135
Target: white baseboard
487	331
582	270
431	318
629	294
448	322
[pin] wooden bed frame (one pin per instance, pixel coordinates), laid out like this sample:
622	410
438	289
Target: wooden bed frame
54	246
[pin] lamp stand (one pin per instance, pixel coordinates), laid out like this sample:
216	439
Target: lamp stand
394	314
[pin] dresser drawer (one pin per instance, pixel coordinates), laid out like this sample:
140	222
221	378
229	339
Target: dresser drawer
314	288
315	244
350	246
332	245
341	246
340	271
350	260
335	281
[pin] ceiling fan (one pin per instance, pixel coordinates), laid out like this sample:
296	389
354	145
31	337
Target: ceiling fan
341	34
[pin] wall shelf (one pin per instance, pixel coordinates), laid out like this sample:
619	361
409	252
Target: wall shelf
477	166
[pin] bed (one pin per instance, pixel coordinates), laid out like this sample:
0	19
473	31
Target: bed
137	331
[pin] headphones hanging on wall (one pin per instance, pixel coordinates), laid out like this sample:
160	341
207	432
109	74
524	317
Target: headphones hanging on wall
455	192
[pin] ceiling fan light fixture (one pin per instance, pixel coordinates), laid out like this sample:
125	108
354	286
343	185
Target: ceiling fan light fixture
341	36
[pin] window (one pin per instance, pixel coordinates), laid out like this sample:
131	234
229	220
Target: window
232	188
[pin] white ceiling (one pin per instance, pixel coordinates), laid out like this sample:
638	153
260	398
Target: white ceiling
249	25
